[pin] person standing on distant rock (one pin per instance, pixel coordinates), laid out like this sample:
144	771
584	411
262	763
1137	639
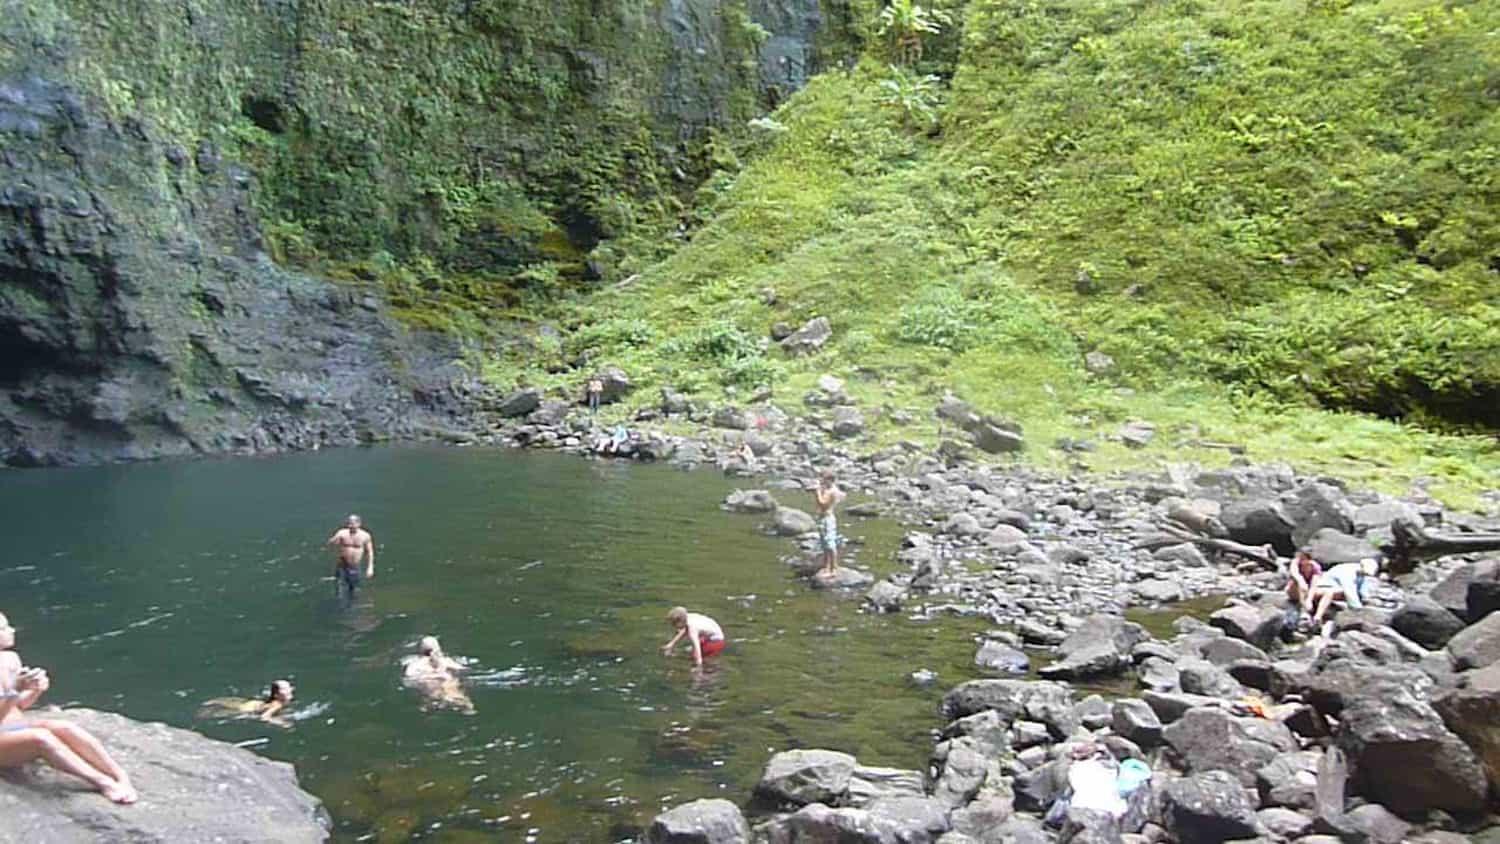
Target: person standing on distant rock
595	392
705	634
352	545
64	745
828	496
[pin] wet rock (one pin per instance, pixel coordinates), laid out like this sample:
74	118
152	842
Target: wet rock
1259	625
994	656
896	820
792	522
1207	739
520	402
1425	622
1135	720
192	789
1477	645
1208	807
1100	646
809	338
1388	737
750	501
700	822
1036	700
807	776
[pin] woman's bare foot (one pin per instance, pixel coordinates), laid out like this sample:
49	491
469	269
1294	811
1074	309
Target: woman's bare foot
121	792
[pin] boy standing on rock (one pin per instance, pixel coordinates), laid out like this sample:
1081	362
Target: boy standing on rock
828	496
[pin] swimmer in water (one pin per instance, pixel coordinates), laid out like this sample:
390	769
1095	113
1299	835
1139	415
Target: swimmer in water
435	675
267	709
353	545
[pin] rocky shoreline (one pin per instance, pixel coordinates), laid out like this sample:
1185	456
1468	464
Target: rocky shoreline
1252	730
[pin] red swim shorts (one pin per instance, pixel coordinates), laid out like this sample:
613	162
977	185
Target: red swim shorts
711	647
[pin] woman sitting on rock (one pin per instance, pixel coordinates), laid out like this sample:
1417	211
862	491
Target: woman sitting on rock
267	709
63	745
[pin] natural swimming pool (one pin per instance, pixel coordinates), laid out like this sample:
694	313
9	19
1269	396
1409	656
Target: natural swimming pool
148	589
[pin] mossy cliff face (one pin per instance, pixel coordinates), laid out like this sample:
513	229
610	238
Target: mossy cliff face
164	163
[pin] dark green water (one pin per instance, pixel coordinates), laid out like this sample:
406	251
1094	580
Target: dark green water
148	589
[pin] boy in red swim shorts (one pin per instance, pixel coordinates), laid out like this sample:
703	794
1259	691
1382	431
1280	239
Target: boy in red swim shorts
705	634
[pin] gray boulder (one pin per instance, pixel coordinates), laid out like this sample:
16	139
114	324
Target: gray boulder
848	422
700	822
730	417
1201	677
1316	506
1258	521
1369	824
898	820
807	776
1451	592
1000	658
1208	807
997	440
962	767
1290	780
1331	547
616	384
549	413
1426	622
519	403
1135	720
1258	624
1034	700
1477	645
1209	738
809	338
673	402
962	524
1089	826
1157	591
885	596
986	820
750	501
1473	714
1482	597
792	522
1185	555
868	784
1388	737
1100	646
844	577
192	789
1284	824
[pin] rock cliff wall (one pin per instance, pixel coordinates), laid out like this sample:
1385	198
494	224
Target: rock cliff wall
164	164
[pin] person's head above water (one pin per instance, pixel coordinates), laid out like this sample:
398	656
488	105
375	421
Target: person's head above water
429	646
677	616
281	690
353	522
7	634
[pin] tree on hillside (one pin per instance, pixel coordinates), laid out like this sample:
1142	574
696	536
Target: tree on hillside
906	23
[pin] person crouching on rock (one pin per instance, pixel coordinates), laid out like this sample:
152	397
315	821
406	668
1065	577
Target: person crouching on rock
63	745
267	709
1301	573
705	634
1352	583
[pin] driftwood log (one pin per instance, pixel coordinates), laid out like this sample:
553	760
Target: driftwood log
1172	534
1411	543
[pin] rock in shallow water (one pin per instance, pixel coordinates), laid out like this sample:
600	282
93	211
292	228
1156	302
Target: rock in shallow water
192	789
700	822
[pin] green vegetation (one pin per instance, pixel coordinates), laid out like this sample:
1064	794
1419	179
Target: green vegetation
1275	217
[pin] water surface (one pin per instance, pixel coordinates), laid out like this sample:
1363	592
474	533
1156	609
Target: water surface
148	589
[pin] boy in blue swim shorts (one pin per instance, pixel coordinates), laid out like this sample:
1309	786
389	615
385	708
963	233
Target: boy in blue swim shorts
828	496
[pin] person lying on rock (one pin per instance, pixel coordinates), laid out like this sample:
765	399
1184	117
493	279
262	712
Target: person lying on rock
1352	583
65	746
435	675
705	634
267	709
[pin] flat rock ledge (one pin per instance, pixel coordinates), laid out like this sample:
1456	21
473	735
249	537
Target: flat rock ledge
192	789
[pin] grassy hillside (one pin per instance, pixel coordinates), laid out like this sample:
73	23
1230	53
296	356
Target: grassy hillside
1281	220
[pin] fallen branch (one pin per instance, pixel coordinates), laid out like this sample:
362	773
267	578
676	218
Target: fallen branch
1174	535
1411	544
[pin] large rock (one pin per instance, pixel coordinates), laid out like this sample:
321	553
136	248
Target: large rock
1034	700
1289	780
807	776
1477	645
1209	738
1337	678
809	338
897	820
520	402
1316	506
1390	737
1258	624
868	784
1258	521
996	439
549	413
1482	597
750	501
1473	714
700	822
792	522
1331	547
731	417
616	384
848	422
962	767
1426	622
1451	593
1099	646
1208	807
886	596
1001	658
192	789
1135	720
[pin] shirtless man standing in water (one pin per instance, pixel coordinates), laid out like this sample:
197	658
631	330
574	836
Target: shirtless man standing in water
352	544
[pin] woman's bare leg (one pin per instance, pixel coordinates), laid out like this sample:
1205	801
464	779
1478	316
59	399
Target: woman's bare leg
18	747
83	743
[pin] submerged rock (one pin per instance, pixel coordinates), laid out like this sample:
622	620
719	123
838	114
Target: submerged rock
192	789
